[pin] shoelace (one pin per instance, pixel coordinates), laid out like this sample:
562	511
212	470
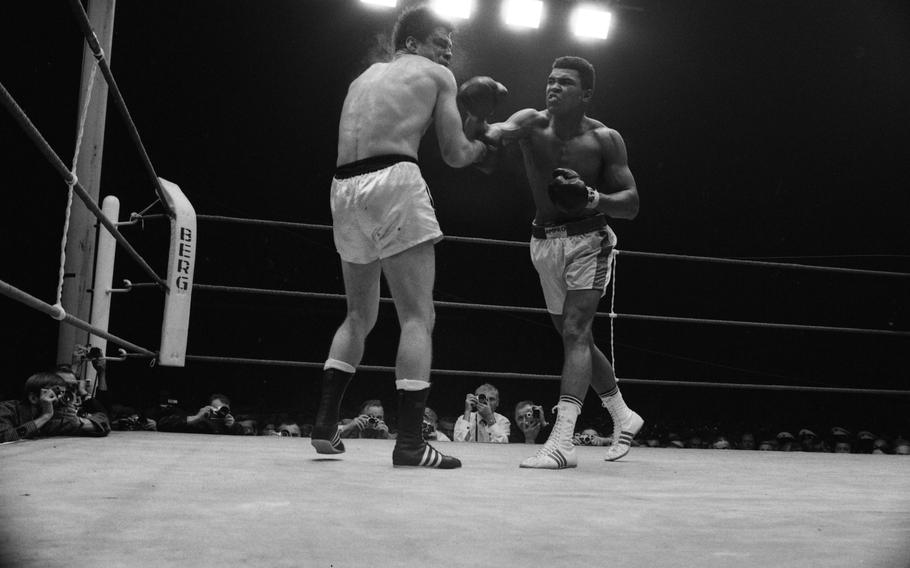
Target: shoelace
553	442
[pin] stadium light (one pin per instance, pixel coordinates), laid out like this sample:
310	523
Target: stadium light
460	9
522	13
386	3
590	21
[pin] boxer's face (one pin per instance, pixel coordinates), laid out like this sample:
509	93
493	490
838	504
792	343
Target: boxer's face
437	47
564	90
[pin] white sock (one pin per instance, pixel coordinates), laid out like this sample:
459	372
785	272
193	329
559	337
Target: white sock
411	385
336	364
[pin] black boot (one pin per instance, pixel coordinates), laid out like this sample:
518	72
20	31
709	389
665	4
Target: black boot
410	447
325	437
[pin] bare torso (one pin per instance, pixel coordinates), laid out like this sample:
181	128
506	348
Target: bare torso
544	150
388	108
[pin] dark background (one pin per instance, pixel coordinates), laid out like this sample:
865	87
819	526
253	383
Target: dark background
757	129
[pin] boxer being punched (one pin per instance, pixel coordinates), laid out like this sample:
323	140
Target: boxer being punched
384	222
578	172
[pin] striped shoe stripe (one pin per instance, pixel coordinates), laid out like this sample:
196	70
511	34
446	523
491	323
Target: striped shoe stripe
558	457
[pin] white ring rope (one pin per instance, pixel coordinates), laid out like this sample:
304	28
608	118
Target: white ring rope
613	256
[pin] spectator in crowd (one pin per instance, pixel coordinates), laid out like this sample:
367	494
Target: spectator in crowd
864	442
446	425
480	422
746	441
369	423
47	408
268	429
786	442
289	429
249	425
901	446
212	418
129	419
810	442
431	431
721	443
84	402
532	424
841	440
767	445
590	437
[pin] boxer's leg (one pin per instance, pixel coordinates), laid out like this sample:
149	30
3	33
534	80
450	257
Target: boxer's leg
361	286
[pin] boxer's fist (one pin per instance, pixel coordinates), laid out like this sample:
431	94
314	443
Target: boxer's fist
478	96
569	193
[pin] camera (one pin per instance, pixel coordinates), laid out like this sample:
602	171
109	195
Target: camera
373	422
583	440
130	423
481	398
220	413
65	396
428	431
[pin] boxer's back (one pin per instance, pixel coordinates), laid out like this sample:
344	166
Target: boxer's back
388	109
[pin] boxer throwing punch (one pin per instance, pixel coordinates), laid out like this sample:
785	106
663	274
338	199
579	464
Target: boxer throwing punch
384	222
578	172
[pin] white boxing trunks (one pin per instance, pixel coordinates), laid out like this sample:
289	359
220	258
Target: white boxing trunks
573	256
381	206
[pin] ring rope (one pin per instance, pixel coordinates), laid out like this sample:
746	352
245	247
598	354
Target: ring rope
524	244
537	376
92	41
16	294
529	310
41	144
80	133
766	264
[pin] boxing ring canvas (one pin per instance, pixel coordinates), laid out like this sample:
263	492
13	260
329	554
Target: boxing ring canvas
161	499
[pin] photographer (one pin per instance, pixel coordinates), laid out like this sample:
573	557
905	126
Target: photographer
83	405
532	422
480	422
370	423
430	429
213	418
47	408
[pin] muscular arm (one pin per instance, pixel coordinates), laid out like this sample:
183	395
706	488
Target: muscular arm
513	128
619	195
457	151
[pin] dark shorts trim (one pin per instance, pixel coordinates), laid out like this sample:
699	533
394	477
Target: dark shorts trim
572	228
371	164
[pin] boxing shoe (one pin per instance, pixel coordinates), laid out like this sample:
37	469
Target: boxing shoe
551	457
559	451
623	433
424	455
327	440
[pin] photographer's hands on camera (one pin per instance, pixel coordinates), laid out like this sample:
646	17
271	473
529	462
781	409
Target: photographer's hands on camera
534	420
59	413
480	405
367	422
213	415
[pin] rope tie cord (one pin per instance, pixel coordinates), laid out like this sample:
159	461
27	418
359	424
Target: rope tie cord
612	314
71	182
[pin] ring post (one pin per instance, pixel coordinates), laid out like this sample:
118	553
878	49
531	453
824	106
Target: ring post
181	262
101	289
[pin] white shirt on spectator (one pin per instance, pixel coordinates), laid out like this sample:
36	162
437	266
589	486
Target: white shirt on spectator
476	429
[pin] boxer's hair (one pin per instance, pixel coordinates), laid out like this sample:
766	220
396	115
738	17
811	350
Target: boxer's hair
580	64
417	22
43	380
